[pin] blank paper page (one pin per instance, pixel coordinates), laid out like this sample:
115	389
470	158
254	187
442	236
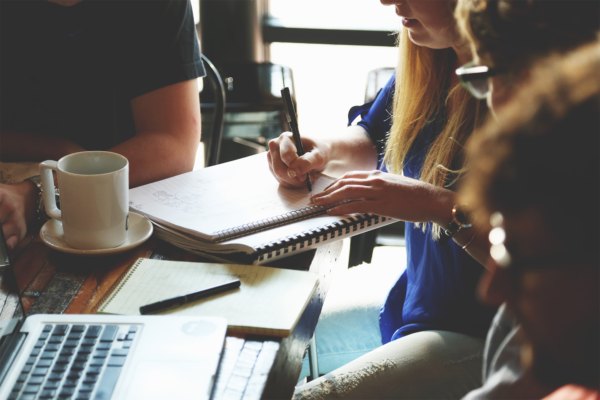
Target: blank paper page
269	300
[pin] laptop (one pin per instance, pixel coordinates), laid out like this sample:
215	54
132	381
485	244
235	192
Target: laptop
102	357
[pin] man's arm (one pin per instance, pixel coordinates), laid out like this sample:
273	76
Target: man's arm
167	123
24	146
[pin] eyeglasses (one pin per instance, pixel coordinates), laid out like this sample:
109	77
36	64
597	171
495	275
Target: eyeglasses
514	265
475	78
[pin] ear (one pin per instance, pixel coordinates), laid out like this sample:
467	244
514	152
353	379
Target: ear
524	76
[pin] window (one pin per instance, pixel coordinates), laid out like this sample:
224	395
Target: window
334	14
330	78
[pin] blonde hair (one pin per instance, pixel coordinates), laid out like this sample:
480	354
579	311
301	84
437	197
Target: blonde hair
423	87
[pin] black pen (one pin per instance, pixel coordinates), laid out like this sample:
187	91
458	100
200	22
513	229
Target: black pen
290	114
188	298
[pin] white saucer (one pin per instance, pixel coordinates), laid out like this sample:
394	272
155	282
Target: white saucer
140	230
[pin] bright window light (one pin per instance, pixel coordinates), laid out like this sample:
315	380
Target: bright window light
329	79
335	14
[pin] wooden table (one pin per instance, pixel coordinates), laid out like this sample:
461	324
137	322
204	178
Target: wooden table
54	283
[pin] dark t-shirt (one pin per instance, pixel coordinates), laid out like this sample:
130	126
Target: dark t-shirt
72	71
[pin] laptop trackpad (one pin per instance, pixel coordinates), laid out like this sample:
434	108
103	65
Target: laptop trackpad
169	380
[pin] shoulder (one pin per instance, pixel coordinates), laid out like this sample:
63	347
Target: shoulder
153	10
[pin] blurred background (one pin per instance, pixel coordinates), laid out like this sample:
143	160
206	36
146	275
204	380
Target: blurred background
323	49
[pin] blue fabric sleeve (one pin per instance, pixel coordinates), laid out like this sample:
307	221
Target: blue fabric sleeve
437	290
376	116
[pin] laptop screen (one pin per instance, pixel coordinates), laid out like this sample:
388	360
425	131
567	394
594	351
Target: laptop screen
11	308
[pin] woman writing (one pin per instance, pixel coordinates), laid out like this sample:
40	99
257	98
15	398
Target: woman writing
431	323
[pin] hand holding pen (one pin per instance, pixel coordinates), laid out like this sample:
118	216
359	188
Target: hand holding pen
292	120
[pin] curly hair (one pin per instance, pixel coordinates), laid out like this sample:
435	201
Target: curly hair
545	150
514	33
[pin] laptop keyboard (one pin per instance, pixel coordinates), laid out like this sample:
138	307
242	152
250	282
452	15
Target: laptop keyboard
79	362
244	369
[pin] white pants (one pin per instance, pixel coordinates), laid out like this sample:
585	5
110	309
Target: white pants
424	365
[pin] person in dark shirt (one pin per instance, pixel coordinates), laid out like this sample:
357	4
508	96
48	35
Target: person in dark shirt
96	75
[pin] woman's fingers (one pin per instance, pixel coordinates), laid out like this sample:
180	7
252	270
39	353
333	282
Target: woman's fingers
350	177
282	182
287	149
277	151
354	207
290	168
339	184
311	161
344	193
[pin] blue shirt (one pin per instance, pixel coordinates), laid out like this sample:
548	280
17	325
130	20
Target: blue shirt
437	291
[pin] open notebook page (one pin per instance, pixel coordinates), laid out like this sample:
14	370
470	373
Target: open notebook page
229	195
269	300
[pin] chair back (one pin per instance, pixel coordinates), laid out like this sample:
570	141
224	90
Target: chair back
213	140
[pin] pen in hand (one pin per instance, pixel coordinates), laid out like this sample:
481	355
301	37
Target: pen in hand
188	298
290	114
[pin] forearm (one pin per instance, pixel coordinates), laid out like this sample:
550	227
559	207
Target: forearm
476	237
478	244
167	123
23	146
351	150
157	155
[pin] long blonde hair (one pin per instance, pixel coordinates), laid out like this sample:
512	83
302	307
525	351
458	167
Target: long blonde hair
422	88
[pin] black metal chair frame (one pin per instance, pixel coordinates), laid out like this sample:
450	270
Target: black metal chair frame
213	145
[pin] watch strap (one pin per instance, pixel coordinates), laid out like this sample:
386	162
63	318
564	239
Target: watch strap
37	181
455	224
41	208
447	233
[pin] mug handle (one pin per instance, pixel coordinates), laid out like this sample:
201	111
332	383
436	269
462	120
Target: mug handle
46	169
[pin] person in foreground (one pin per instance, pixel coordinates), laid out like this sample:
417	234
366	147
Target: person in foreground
535	175
507	37
431	323
98	75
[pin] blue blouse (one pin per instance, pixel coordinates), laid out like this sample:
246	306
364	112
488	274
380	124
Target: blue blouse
437	291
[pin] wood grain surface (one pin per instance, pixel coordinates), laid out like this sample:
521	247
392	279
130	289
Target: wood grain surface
55	283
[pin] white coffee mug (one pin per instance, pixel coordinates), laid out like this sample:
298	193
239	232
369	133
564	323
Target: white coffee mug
94	198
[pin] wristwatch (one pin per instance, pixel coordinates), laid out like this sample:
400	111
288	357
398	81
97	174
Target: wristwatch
41	209
461	218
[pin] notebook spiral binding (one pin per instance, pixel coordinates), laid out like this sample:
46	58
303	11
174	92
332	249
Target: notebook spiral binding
271	222
113	291
310	238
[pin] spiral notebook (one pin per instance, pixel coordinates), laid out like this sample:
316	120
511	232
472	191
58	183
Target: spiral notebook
269	301
237	211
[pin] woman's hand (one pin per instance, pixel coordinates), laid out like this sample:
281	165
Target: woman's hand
388	195
289	169
17	210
